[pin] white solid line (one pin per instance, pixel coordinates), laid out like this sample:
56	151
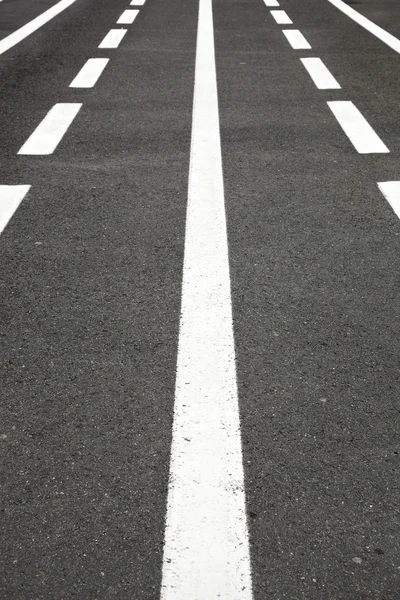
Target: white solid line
357	128
281	17
48	134
271	3
385	37
127	17
206	552
320	74
296	39
113	38
391	191
11	197
22	33
89	73
137	2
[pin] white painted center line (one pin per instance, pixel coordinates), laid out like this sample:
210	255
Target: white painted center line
89	73
385	37
391	191
137	2
320	74
296	39
113	38
22	33
357	128
281	17
127	17
11	197
49	133
271	2
206	552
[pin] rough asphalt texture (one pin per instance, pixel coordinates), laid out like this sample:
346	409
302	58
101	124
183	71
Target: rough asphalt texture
91	267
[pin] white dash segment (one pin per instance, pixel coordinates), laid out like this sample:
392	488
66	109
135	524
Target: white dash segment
137	2
127	17
206	552
281	17
49	133
357	128
391	191
90	72
113	38
271	2
296	39
320	74
11	197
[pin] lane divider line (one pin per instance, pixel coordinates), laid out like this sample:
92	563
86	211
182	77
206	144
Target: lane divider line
357	128
281	17
391	191
11	197
49	133
26	30
127	17
385	37
271	2
320	74
296	39
206	551
90	73
113	38
137	2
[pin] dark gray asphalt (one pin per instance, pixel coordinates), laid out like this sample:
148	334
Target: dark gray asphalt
90	294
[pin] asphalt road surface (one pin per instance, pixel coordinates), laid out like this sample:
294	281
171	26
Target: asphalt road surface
200	299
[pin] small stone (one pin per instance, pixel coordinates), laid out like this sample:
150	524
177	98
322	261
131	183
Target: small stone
357	560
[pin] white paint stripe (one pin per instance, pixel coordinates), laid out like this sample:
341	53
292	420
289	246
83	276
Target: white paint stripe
113	38
137	2
320	74
22	33
385	37
357	128
90	72
11	197
271	3
296	39
281	17
127	17
206	553
49	133
391	191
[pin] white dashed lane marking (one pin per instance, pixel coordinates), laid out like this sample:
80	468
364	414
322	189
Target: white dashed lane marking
296	39
271	3
137	2
113	38
11	197
89	73
320	74
281	17
357	128
49	133
127	17
391	191
206	553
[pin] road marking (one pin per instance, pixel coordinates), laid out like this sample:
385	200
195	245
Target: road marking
385	37
127	17
49	133
90	73
206	552
296	39
271	3
38	22
320	74
391	191
11	197
357	128
137	2
113	38
281	17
